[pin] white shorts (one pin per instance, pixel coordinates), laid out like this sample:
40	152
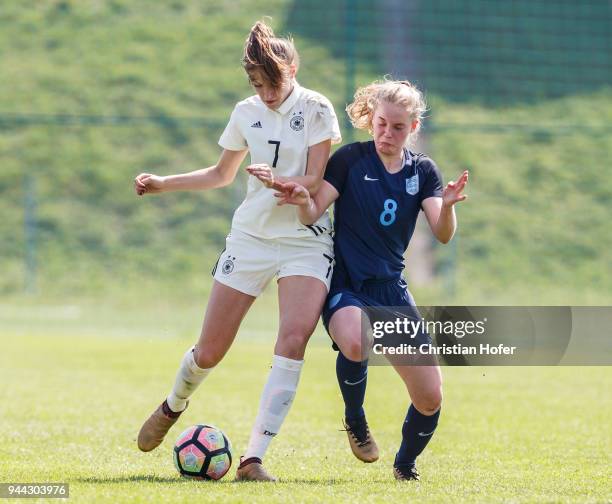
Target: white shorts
248	263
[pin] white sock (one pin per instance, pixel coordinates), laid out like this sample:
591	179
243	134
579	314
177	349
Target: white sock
187	380
276	399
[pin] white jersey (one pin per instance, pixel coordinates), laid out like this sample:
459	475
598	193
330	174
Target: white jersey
281	139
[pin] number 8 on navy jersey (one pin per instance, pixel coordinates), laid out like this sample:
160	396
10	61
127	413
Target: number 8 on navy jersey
388	216
376	211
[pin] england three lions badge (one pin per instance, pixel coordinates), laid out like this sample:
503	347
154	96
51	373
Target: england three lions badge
412	185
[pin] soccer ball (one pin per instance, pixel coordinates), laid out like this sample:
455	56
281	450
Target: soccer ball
203	452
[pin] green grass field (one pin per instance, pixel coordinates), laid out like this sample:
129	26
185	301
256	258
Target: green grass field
78	382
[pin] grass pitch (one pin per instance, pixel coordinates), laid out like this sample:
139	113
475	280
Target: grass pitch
77	386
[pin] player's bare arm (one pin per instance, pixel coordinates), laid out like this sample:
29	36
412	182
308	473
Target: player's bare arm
219	175
440	212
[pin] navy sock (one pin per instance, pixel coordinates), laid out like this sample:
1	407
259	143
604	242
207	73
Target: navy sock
417	430
352	378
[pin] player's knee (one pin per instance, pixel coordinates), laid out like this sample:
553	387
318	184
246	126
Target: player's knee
429	403
352	350
293	342
206	358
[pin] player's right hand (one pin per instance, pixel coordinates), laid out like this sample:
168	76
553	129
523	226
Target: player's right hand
292	193
148	183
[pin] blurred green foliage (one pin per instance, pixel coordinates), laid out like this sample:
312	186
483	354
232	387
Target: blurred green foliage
478	51
536	226
79	81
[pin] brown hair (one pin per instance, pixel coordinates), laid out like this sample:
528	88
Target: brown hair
399	92
271	55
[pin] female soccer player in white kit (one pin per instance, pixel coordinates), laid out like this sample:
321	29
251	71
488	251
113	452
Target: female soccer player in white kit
288	131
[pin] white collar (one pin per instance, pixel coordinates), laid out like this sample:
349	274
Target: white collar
291	100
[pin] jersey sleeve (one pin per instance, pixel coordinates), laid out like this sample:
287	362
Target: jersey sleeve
337	168
433	184
232	138
323	123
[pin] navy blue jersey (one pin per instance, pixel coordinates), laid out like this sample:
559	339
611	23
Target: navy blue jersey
376	211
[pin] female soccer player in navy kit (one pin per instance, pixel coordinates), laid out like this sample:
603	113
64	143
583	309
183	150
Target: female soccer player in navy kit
288	131
379	187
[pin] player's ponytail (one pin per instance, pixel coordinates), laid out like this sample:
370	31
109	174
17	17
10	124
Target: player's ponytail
269	54
399	92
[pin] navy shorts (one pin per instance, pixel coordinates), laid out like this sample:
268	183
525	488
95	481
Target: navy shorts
386	300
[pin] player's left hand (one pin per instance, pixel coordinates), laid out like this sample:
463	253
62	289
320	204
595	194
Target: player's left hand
264	173
293	193
452	191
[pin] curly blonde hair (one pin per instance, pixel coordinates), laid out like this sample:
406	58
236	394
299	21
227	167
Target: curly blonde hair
399	92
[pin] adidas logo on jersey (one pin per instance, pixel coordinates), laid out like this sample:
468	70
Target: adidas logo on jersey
256	124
